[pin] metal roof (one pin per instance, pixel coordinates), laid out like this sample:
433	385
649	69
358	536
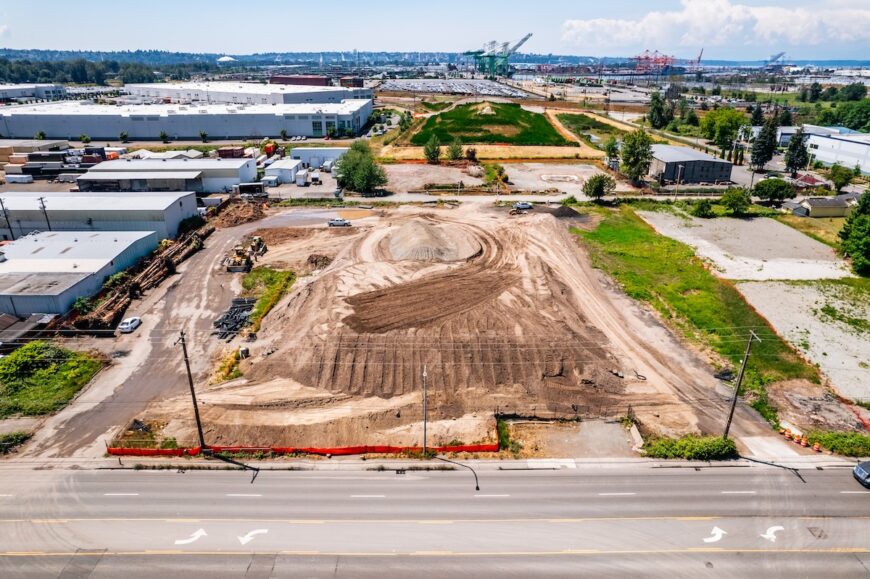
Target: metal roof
235	87
285	163
41	284
159	165
63	201
67	251
69	108
128	175
674	154
826	202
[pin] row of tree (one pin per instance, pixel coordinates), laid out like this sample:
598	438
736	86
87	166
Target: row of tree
815	93
81	71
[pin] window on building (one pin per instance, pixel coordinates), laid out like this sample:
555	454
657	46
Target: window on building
317	128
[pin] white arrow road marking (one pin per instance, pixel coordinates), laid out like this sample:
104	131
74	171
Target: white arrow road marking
250	536
770	535
717	535
193	538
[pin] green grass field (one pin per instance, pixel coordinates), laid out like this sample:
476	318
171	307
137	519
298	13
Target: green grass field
507	124
590	130
40	378
707	310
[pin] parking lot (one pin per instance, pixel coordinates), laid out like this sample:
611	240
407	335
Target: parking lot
565	177
453	86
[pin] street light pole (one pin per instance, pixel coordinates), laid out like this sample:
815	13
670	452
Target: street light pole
6	217
752	338
425	410
44	212
679	174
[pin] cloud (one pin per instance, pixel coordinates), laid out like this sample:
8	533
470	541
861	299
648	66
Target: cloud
711	23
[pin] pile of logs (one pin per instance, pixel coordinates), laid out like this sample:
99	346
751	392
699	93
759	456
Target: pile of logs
155	269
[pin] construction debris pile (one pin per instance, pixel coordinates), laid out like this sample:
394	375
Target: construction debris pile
153	270
235	319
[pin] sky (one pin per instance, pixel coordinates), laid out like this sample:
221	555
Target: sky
725	29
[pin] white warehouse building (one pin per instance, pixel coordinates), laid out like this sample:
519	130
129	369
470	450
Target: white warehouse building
284	170
46	272
847	150
246	93
317	156
69	120
201	175
162	213
16	92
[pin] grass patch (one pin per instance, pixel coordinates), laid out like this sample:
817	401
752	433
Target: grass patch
40	378
12	440
228	369
268	285
707	310
823	229
590	130
509	124
692	448
505	442
435	106
843	443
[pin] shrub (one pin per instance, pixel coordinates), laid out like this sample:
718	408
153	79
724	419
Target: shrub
84	139
736	200
9	441
692	447
703	209
844	443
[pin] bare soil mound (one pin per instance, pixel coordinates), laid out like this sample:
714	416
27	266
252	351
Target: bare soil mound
425	240
239	213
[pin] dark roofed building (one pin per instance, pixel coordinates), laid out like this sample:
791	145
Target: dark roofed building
671	164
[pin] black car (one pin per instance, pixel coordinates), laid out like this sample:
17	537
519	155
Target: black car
862	473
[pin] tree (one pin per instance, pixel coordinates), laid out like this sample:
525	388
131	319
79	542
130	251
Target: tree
611	149
39	136
432	151
773	190
454	151
658	112
855	236
723	125
691	118
164	136
124	137
757	116
736	200
796	156
84	139
815	92
471	154
853	92
784	119
284	134
599	185
358	170
764	145
840	176
636	154
203	136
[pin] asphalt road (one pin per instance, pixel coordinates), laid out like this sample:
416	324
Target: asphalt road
601	520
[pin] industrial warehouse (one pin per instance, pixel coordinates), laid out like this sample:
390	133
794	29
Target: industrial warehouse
69	120
246	93
25	212
46	272
199	175
684	165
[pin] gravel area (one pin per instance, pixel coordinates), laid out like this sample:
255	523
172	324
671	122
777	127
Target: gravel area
759	249
413	177
796	312
566	177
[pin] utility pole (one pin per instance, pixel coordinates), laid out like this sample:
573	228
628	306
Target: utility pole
6	217
183	342
752	338
425	375
44	212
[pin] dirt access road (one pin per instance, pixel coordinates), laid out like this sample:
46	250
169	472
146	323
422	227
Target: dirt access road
505	313
147	365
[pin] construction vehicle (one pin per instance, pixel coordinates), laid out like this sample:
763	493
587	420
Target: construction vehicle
241	258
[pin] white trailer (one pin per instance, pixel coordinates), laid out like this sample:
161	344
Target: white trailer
302	178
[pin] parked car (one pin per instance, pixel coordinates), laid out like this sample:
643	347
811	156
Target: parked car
862	473
523	206
129	325
339	222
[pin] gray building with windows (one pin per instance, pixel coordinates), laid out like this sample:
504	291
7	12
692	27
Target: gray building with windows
673	164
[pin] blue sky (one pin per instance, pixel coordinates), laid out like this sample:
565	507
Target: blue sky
739	29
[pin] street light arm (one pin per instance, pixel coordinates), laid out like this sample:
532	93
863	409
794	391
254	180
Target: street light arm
476	482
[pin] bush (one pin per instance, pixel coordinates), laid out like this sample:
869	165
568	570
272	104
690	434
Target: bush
773	190
358	170
692	448
736	200
9	441
844	443
703	209
84	139
599	185
505	442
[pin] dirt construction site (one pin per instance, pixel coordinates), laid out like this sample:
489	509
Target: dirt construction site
504	313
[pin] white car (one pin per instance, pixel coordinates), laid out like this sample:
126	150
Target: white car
130	324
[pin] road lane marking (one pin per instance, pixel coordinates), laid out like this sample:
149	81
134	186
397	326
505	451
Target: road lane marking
738	492
715	535
7	495
616	494
243	495
196	536
120	494
770	535
490	496
854	493
368	496
250	536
